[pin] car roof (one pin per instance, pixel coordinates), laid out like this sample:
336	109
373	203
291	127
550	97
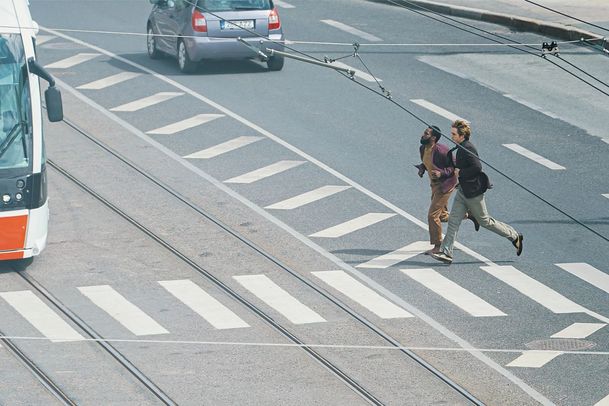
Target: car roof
15	16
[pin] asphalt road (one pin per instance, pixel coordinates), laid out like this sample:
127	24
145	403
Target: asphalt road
336	134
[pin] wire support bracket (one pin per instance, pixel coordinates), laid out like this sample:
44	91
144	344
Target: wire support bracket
549	49
348	71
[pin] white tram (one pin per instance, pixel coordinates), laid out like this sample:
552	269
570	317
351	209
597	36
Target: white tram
24	212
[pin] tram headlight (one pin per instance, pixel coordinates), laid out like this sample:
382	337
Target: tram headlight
20	184
6	198
18	197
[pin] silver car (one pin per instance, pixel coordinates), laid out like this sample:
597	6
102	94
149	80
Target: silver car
197	30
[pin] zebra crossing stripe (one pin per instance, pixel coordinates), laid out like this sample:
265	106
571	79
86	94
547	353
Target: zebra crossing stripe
534	289
109	81
146	101
452	292
362	294
72	61
123	311
352	225
588	273
352	30
283	4
436	109
280	300
579	330
265	172
534	157
223	148
41	39
534	359
185	124
203	304
603	402
307	197
397	256
39	315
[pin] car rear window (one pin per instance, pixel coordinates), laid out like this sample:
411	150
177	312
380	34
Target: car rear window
232	5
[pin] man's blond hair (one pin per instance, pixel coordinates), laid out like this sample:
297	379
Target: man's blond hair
463	128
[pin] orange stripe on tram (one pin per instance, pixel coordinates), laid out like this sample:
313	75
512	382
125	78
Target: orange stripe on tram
12	236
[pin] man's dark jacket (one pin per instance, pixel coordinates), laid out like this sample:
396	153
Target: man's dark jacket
472	181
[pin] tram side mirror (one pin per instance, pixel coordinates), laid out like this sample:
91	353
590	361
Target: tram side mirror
52	95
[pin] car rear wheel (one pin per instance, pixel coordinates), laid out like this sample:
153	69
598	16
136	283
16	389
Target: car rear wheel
184	62
153	52
275	63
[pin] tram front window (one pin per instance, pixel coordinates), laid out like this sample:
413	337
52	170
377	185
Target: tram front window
15	122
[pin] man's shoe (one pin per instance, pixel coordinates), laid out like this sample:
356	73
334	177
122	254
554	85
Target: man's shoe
442	257
518	244
476	224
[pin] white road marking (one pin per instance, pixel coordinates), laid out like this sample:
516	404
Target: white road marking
606	195
283	4
463	344
280	300
223	148
362	294
454	293
352	30
579	330
39	315
397	256
534	157
191	122
203	304
265	172
588	273
531	105
147	101
109	81
41	39
534	359
534	289
436	109
125	312
72	61
307	197
603	402
352	225
358	73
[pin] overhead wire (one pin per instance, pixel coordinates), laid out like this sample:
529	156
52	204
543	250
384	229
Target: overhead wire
567	15
517	47
415	116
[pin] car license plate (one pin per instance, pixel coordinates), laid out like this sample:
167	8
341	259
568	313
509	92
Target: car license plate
237	25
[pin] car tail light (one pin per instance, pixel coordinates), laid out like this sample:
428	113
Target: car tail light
199	24
274	23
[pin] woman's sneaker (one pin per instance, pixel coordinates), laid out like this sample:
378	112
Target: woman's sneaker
442	257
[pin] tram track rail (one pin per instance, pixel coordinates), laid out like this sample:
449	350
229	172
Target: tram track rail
45	380
97	338
268	256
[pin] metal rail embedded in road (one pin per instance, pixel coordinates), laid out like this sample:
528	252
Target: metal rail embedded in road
38	373
151	386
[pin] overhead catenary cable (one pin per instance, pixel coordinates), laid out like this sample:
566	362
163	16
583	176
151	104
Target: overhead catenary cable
566	15
536	53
